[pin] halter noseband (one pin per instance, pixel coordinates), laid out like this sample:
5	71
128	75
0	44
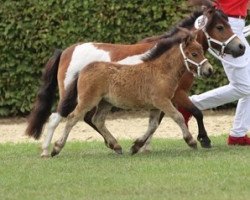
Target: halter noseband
222	44
187	60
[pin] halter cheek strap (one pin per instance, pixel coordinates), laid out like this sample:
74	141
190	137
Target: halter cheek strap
187	61
219	54
222	44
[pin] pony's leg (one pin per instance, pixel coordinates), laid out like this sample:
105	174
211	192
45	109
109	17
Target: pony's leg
88	118
202	133
99	122
72	119
140	143
167	107
182	100
146	147
54	121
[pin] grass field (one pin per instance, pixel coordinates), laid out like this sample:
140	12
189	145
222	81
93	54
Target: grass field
88	170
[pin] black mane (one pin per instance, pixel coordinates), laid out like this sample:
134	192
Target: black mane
162	46
187	23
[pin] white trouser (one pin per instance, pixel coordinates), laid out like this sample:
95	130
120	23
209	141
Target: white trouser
237	89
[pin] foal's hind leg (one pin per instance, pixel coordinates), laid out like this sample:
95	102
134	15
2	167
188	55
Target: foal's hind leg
152	120
72	119
167	107
54	121
140	143
99	122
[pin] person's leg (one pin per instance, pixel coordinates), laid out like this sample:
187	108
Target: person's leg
216	97
241	123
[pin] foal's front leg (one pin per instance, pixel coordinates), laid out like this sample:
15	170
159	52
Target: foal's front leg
167	107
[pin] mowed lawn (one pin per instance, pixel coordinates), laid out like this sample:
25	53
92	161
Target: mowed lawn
88	170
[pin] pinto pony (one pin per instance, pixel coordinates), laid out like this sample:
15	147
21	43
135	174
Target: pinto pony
148	85
65	66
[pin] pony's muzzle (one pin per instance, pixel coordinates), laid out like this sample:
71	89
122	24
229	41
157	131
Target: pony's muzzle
236	48
207	70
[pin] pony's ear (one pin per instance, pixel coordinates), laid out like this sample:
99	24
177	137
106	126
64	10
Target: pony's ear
208	11
186	35
187	40
207	6
206	3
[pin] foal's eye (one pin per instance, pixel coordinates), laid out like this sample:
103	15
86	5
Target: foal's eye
220	28
194	54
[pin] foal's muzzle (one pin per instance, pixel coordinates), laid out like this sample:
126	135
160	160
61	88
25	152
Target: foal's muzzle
206	70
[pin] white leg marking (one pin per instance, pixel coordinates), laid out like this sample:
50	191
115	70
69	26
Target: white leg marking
54	120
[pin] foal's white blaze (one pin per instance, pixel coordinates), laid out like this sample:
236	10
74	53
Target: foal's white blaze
83	55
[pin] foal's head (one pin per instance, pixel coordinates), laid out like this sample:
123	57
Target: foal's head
193	56
218	32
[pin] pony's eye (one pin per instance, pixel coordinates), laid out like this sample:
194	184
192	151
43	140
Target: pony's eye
194	54
220	27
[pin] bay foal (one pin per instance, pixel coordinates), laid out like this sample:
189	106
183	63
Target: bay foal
149	85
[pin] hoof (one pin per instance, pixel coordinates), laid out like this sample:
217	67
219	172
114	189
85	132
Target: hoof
193	145
205	142
191	142
134	149
118	149
137	146
45	154
54	153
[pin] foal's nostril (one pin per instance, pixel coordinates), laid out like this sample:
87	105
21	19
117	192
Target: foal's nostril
210	71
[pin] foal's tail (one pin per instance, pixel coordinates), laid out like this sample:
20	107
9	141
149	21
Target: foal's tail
43	104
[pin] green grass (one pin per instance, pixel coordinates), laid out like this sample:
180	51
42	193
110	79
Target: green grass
88	170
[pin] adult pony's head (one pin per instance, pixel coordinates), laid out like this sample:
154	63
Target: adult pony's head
216	35
217	31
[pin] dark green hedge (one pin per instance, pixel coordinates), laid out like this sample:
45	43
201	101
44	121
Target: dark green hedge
31	29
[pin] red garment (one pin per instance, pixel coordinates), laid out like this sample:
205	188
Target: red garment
233	7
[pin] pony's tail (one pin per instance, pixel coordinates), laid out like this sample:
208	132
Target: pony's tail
44	100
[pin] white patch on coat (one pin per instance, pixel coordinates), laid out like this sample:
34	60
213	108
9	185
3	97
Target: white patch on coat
132	60
87	53
136	59
83	55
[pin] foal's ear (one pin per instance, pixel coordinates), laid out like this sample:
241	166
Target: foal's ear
187	36
187	40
